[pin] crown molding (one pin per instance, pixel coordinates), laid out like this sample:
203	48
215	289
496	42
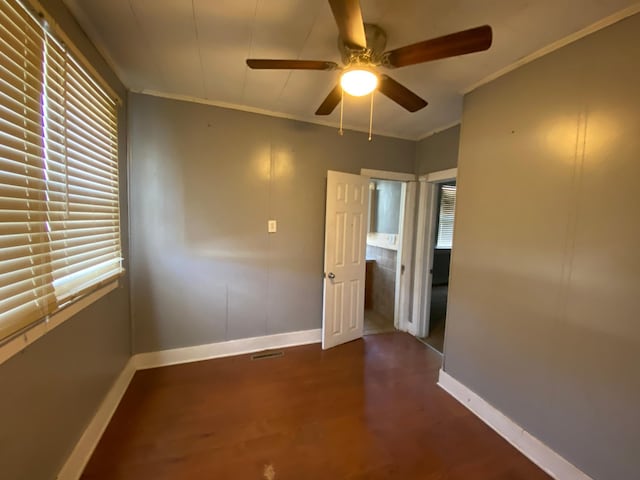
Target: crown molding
269	113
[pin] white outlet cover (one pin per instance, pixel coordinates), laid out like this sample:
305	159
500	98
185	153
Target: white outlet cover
272	226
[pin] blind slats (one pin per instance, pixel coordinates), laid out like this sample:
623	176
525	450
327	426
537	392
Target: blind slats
26	309
99	226
16	240
27	261
75	260
59	200
29	175
13	191
20	33
12	117
19	288
15	100
17	160
13	253
59	217
29	43
104	166
93	154
84	128
17	259
86	89
19	75
83	188
85	175
97	241
446	216
106	144
14	16
18	275
17	145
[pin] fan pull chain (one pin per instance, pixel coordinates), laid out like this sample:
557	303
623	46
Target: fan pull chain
341	111
371	116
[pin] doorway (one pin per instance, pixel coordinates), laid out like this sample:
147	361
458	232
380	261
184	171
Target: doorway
383	235
441	262
391	195
346	221
434	241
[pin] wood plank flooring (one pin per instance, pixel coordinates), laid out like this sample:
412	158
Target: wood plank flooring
370	409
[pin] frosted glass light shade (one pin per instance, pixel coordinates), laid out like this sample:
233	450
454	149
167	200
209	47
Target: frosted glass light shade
358	82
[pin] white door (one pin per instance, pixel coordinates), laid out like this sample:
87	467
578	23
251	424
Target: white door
344	258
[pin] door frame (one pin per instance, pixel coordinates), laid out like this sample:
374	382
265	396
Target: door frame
402	303
425	244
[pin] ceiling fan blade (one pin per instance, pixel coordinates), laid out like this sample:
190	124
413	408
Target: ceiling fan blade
266	64
349	20
331	102
400	94
460	43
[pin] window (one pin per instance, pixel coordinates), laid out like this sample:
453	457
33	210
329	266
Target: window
446	216
59	208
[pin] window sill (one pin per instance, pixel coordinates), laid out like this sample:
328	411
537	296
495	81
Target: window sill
18	343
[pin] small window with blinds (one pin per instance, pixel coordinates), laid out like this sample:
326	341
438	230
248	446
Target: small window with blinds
446	216
59	208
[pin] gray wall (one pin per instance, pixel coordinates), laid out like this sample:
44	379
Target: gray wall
438	151
51	390
204	182
543	302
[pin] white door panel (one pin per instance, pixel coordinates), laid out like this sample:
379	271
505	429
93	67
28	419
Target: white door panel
344	258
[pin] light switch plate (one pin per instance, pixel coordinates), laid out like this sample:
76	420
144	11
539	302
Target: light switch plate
272	226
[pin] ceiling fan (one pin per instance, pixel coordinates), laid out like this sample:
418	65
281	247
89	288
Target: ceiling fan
362	46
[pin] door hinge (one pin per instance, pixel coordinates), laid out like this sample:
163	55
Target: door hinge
401	269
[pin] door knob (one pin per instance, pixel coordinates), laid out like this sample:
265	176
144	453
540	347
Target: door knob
331	275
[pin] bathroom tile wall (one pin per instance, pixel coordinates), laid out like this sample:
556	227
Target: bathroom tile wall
384	280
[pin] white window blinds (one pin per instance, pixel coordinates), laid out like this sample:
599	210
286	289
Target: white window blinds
446	216
59	210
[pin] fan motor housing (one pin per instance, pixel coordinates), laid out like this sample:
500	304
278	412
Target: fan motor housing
373	54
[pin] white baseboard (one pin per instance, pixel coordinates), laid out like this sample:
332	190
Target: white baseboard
77	461
527	444
229	348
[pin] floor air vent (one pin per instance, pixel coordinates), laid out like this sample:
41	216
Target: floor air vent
263	355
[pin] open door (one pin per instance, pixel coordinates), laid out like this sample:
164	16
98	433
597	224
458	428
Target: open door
344	258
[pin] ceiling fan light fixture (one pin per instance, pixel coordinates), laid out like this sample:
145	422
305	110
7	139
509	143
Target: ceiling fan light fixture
358	81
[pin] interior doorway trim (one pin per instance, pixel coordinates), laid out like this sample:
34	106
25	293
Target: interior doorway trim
384	175
425	243
403	320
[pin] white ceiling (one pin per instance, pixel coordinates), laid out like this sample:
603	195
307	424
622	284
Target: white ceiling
197	49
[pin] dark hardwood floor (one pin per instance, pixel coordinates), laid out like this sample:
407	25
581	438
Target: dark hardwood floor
370	409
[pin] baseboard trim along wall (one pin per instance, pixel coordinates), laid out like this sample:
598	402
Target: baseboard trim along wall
527	444
77	461
229	348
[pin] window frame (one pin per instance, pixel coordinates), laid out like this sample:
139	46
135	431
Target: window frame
14	342
441	187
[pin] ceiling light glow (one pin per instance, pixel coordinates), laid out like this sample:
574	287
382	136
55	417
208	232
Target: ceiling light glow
358	82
